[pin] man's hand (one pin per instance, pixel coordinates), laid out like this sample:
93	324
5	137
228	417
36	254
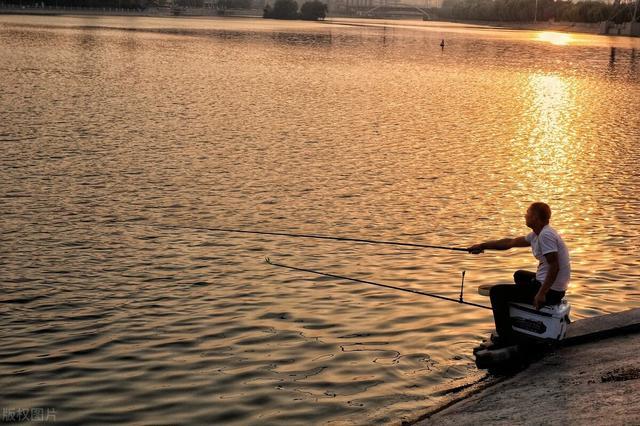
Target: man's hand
539	300
476	249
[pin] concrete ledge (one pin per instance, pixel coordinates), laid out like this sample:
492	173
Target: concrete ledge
586	381
603	326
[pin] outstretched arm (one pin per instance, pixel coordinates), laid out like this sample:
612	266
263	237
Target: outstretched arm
503	244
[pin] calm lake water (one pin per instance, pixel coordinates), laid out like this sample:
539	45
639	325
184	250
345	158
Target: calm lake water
110	125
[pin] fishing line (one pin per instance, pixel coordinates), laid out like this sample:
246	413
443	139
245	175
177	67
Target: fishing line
287	234
325	274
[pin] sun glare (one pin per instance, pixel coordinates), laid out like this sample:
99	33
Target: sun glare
547	132
559	39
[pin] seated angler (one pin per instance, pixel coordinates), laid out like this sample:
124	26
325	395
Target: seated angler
545	287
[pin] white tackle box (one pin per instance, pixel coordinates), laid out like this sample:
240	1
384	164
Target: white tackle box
549	323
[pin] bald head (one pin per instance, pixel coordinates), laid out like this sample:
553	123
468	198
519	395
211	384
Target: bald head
542	212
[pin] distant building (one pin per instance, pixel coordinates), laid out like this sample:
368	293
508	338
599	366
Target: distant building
626	28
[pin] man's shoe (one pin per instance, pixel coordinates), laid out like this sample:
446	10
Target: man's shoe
493	342
498	342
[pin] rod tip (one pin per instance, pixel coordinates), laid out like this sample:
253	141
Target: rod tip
266	259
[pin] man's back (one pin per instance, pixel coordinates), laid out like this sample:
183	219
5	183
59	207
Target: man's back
549	241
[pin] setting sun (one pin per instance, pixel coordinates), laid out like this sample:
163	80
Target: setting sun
559	39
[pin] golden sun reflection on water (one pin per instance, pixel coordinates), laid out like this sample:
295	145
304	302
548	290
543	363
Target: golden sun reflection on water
549	129
558	39
552	103
548	146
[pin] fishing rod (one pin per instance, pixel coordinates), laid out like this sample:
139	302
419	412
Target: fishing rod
319	237
325	274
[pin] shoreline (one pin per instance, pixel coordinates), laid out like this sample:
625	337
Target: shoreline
578	384
457	396
575	383
568	27
151	13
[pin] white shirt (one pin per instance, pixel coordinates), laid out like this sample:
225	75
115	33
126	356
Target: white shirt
549	241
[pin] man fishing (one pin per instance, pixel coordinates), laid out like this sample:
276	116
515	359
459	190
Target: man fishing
547	286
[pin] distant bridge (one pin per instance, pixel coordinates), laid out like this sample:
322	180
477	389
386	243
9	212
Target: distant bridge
377	8
398	9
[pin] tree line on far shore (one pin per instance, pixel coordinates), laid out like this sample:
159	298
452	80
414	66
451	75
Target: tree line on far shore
123	4
288	9
588	11
282	9
140	4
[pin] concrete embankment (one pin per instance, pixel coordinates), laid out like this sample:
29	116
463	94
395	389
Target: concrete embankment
569	27
593	380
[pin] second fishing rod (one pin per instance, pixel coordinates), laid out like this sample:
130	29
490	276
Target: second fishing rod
299	235
335	238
